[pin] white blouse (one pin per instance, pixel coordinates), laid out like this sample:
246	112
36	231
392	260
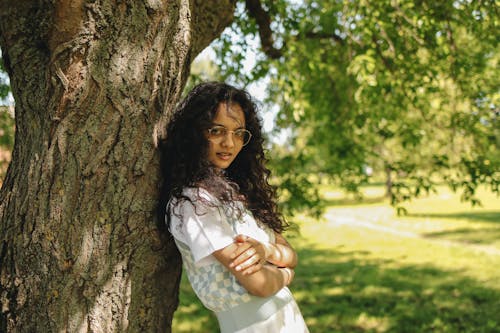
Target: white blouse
204	226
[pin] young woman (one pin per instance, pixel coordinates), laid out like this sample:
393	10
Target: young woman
222	212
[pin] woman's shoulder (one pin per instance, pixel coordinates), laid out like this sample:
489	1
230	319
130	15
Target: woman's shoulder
194	193
194	198
191	201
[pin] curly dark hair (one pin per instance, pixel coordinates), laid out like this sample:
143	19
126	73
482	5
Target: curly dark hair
184	151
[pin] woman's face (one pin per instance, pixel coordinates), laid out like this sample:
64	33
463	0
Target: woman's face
224	140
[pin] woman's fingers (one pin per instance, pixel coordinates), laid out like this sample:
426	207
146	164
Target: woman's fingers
241	238
240	250
249	256
250	266
254	268
244	257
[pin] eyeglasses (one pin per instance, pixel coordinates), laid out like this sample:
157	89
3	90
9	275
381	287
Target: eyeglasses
217	134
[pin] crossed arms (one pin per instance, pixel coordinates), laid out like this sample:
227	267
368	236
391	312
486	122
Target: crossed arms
261	268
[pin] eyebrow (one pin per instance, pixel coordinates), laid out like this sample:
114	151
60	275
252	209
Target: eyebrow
216	124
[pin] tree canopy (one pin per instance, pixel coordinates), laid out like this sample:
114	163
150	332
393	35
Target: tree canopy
408	89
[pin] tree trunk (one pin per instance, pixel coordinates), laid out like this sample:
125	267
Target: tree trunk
94	83
388	183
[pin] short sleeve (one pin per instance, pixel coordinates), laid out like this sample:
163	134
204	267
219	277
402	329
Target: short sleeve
202	227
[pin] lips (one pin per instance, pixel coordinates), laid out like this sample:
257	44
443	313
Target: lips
224	156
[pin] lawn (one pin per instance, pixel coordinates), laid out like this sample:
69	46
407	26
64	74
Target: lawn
365	269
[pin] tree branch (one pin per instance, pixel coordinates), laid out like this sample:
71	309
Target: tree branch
385	61
210	18
255	10
263	20
324	35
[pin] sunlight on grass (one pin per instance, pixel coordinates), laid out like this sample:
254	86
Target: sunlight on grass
370	323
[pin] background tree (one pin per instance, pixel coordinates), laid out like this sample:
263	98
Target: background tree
6	138
406	88
6	123
4	83
94	83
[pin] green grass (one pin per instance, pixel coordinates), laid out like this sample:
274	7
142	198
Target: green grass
365	269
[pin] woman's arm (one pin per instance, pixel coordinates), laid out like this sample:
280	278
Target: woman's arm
281	253
264	282
251	254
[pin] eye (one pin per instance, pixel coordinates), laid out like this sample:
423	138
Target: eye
241	133
217	131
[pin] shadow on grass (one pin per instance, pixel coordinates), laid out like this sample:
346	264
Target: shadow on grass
488	216
482	236
353	201
344	292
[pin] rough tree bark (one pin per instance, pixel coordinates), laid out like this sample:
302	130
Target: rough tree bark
94	83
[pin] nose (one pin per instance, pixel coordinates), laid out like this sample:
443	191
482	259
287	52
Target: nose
228	140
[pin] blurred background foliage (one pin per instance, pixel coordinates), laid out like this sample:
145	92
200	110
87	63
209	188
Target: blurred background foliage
7	126
401	92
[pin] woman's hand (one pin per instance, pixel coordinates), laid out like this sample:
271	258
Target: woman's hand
249	256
